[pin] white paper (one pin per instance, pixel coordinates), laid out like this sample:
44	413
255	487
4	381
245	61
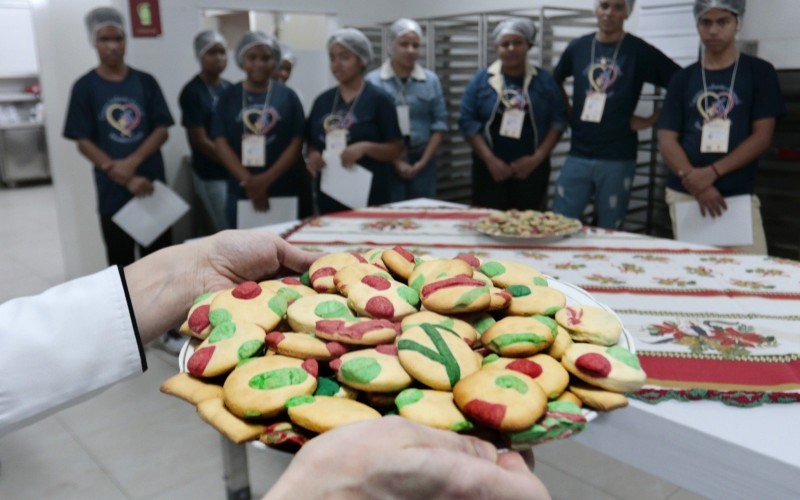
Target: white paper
281	209
145	218
733	228
348	186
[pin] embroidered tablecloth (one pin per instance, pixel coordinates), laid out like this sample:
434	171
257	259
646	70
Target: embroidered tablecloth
707	323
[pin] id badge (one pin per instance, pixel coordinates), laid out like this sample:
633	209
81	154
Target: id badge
254	150
336	140
716	135
593	107
404	119
511	126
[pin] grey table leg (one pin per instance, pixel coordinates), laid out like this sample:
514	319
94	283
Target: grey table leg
234	465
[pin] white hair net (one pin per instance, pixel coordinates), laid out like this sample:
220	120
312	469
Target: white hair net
207	39
515	26
355	41
102	17
404	26
703	6
253	39
287	54
628	4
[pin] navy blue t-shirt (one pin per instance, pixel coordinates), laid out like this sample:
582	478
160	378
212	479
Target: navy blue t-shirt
197	101
281	121
117	117
509	149
756	95
373	118
637	62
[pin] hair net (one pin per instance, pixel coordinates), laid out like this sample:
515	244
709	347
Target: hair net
207	39
515	26
703	6
355	41
102	17
254	38
287	54
402	27
628	4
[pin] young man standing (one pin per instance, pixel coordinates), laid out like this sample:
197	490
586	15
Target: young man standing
718	118
609	68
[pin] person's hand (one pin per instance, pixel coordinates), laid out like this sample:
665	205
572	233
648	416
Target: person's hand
256	188
314	163
697	180
499	170
524	166
392	457
163	284
711	202
120	171
352	153
416	168
404	169
140	186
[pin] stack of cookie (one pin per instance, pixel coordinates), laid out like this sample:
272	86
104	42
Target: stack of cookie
483	347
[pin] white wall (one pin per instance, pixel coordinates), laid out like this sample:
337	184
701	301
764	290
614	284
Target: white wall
17	50
776	30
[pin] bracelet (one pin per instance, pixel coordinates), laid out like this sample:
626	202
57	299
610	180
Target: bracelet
716	172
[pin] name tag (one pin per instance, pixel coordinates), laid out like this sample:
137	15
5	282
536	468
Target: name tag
511	126
336	140
716	135
593	107
404	119
254	150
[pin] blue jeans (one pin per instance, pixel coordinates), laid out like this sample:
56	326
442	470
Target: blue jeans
421	186
213	194
609	181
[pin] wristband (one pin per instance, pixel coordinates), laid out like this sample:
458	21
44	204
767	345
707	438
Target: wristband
716	172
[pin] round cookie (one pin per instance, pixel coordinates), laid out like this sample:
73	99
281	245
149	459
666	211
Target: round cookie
261	387
459	294
290	288
560	344
197	324
323	413
572	398
560	420
544	370
381	298
303	346
399	261
322	271
470	259
432	408
532	299
505	273
227	344
372	370
500	399
304	313
250	303
360	331
328	386
437	270
611	368
375	256
520	336
499	298
598	398
590	324
434	356
348	275
457	326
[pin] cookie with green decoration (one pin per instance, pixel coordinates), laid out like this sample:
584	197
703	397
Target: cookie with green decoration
560	344
560	420
261	387
456	295
531	299
435	357
197	324
323	413
551	376
372	370
348	275
432	408
505	273
400	261
611	368
520	336
228	344
323	270
329	386
381	297
375	257
283	435
249	303
455	325
436	270
590	324
290	288
499	299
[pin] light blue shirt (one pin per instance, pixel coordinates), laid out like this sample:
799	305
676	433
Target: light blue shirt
423	95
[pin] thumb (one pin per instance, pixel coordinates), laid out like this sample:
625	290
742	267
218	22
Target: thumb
294	258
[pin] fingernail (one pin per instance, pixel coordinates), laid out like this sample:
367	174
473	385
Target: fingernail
485	450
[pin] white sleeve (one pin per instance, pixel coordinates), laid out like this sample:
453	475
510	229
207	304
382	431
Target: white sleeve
65	345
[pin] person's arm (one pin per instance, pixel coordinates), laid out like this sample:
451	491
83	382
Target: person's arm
122	170
525	165
659	70
385	152
200	141
561	72
439	127
644	122
94	154
430	150
257	186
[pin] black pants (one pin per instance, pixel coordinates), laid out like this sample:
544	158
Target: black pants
521	194
120	246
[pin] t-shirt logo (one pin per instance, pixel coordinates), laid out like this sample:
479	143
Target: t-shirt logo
334	121
602	75
124	117
713	105
260	121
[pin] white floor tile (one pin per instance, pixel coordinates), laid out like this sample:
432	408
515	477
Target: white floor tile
682	494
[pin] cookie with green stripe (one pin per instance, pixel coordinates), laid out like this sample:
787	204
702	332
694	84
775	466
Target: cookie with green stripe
249	303
290	288
590	324
551	376
348	275
531	299
456	295
560	420
323	413
500	399
432	408
372	370
505	273
261	387
520	336
499	298
381	297
611	368
437	270
228	343
197	324
434	356
455	325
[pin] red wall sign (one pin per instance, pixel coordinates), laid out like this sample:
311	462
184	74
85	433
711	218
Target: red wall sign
145	18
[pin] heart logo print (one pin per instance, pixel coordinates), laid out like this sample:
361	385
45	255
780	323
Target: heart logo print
713	105
602	76
260	123
124	117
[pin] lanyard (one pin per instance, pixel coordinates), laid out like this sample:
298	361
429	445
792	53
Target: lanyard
705	111
262	114
603	65
334	121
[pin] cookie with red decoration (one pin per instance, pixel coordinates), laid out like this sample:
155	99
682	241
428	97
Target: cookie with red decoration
323	413
372	370
560	344
304	313
214	413
400	261
560	420
290	288
590	324
500	399
520	336
197	324
532	299
284	435
596	398
505	273
456	295
610	368
457	326
228	343
382	298
328	317
471	259
260	387
323	270
498	298
303	346
348	275
544	370
432	408
249	303
435	356
375	257
437	270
